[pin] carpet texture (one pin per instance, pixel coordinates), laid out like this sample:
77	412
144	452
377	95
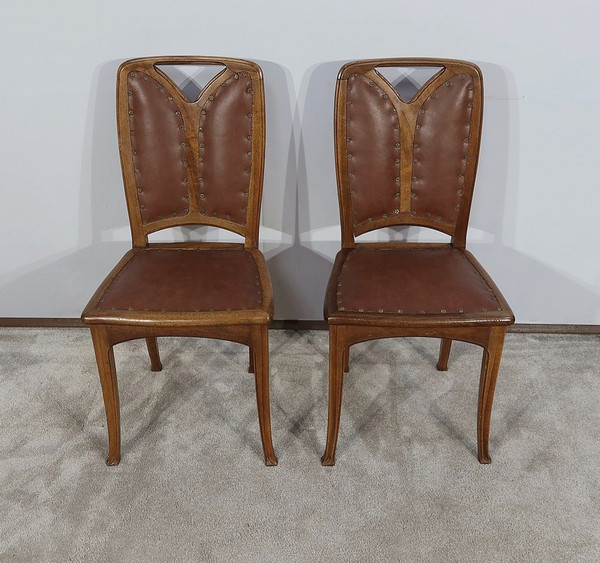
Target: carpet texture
192	486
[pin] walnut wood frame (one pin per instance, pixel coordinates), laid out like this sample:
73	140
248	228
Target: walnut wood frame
351	327
248	327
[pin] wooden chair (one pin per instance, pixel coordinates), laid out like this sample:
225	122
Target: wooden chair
188	162
410	162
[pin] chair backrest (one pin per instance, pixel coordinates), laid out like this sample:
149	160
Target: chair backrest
407	162
195	162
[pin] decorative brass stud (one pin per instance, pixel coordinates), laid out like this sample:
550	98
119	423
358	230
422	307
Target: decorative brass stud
381	310
396	211
140	190
130	112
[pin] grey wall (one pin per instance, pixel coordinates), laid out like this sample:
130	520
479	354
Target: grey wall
534	223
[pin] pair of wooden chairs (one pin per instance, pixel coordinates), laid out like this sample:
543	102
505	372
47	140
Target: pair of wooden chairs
201	162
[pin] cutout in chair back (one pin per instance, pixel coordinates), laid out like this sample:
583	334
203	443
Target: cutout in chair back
191	79
191	162
408	163
408	81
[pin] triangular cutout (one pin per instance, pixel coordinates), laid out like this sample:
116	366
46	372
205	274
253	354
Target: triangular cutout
408	80
191	79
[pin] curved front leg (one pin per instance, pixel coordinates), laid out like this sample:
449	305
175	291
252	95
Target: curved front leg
336	379
110	390
260	355
487	384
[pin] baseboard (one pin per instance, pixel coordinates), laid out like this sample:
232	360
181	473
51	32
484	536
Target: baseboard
294	324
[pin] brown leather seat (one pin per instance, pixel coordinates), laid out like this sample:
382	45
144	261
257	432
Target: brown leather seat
410	163
188	162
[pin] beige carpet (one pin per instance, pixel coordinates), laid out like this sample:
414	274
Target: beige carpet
192	485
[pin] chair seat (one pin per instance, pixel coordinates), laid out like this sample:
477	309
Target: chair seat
153	283
399	282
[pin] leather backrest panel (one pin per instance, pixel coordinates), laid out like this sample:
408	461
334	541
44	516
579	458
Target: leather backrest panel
225	150
192	162
407	163
373	150
441	141
158	142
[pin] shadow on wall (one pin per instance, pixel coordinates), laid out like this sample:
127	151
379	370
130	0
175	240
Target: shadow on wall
299	272
71	277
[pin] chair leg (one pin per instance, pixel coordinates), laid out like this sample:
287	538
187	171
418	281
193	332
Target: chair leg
260	357
346	360
336	379
445	345
251	361
110	390
489	372
152	346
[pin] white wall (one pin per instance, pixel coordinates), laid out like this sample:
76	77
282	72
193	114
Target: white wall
535	221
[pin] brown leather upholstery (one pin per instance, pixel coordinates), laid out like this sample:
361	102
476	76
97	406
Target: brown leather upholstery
186	281
185	162
409	281
410	163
